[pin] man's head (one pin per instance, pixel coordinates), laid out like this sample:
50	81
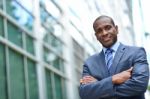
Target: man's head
105	30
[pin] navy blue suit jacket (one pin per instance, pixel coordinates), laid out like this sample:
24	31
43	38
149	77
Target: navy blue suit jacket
125	57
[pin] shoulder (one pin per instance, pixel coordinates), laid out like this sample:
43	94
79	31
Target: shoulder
92	58
133	48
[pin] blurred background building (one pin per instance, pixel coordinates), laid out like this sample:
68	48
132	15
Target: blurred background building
43	43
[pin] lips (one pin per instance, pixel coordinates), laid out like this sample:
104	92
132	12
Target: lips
106	39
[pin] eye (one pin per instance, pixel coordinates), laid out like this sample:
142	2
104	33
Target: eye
108	27
99	31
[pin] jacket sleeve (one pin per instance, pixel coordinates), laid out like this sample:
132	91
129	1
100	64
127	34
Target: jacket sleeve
96	90
138	82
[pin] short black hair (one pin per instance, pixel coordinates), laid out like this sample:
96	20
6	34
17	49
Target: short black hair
104	16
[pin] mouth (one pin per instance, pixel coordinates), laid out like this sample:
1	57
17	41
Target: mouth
106	39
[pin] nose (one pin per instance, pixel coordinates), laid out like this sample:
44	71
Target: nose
105	32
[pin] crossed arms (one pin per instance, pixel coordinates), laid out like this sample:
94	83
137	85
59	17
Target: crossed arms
127	83
116	79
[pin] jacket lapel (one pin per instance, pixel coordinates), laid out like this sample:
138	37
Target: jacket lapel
117	58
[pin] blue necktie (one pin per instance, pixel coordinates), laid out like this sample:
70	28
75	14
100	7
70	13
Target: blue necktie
109	57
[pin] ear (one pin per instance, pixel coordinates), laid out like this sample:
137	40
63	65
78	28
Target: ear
116	27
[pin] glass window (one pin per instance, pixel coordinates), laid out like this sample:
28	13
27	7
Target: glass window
49	85
32	76
53	59
64	92
28	4
47	19
58	31
14	34
29	44
1	26
57	45
1	4
3	83
54	42
58	87
47	56
17	80
56	62
52	8
19	14
46	38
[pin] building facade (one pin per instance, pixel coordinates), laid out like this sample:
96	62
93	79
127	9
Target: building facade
43	44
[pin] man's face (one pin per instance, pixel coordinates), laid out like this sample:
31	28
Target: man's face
106	32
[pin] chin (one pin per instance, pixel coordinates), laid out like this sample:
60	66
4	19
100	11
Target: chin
107	45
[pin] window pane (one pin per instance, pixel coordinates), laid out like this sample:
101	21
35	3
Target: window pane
17	80
47	37
28	4
49	85
54	42
61	64
1	26
29	44
19	14
51	8
57	45
3	83
32	75
58	30
1	4
58	87
56	62
64	90
14	34
46	55
47	19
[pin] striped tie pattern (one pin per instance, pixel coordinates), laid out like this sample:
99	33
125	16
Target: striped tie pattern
109	57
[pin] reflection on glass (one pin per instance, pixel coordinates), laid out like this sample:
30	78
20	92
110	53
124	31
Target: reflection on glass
46	19
1	4
53	41
51	8
19	14
58	30
49	57
45	54
58	63
17	80
57	45
49	85
14	34
29	44
28	4
53	59
1	26
58	87
32	78
3	93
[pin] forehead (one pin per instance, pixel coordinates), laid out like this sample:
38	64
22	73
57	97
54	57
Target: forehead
103	21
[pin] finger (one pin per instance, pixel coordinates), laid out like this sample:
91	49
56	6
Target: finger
130	69
87	77
81	81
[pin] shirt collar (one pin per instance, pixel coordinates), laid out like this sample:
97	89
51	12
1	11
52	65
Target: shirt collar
114	47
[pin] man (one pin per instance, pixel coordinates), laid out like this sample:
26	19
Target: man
118	71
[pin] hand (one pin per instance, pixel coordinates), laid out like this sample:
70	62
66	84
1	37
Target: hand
87	79
122	77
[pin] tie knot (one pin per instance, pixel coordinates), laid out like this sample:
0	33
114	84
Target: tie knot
108	50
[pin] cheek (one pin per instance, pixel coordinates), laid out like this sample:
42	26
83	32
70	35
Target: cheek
99	37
